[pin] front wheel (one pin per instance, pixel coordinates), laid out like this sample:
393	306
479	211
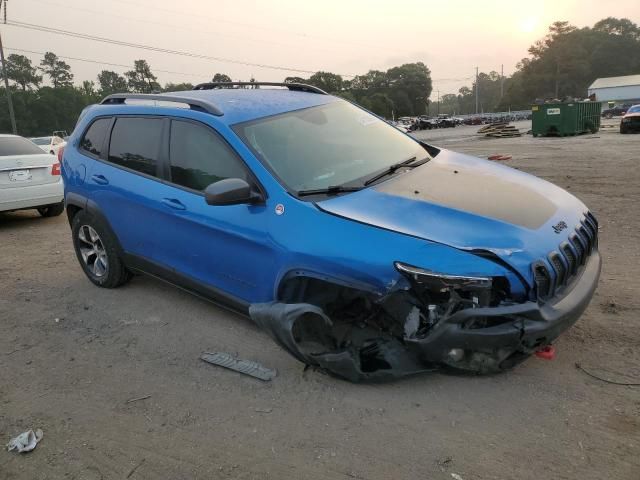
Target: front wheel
97	251
51	210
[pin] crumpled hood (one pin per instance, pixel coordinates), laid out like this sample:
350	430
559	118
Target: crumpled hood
471	204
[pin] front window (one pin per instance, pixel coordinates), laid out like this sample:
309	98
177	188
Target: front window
634	109
327	145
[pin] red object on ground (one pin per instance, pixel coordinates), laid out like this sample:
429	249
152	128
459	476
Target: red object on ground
547	353
499	157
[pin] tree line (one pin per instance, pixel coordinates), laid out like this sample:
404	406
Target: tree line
561	65
41	109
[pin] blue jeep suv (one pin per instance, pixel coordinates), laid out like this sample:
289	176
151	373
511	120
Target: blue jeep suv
359	249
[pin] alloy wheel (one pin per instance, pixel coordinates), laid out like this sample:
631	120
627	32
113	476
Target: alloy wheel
92	251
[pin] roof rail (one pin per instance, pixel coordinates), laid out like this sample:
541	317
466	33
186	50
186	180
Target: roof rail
297	87
194	103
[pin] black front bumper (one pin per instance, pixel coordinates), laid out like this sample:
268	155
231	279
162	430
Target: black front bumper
519	328
631	126
371	355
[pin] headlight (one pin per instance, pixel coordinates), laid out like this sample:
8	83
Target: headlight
627	119
445	294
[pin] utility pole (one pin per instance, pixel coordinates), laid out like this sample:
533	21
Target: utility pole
3	3
477	94
501	81
437	90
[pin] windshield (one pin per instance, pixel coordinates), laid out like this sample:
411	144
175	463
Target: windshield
17	146
327	145
41	140
634	109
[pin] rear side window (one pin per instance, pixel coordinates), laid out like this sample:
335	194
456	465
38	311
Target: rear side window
135	144
94	138
18	146
199	157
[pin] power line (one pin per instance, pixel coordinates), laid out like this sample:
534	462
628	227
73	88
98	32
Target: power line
106	63
190	28
199	16
67	33
84	36
436	81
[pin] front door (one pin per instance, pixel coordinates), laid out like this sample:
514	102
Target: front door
226	247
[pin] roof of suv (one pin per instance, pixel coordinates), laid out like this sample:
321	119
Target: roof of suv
241	105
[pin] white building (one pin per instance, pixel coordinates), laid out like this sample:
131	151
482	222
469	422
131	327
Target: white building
616	89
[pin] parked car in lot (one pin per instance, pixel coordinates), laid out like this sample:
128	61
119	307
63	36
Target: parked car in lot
616	111
49	144
29	178
359	249
631	120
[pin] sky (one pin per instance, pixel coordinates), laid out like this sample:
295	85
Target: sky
349	37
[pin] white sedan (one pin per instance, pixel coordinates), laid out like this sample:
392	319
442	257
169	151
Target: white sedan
29	178
49	144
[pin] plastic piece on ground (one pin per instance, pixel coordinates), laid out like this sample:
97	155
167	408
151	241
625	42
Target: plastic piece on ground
247	367
547	353
25	442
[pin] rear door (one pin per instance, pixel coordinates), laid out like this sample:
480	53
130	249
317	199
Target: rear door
226	247
125	185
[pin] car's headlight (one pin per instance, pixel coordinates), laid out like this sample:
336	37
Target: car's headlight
445	294
627	119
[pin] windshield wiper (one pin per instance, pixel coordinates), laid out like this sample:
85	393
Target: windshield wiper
330	190
392	169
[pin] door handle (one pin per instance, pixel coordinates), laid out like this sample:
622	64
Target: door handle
100	179
174	203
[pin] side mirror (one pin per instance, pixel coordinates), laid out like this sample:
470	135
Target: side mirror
230	191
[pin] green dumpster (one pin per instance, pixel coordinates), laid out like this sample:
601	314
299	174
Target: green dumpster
561	119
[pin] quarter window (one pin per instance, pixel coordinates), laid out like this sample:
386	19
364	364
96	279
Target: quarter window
94	137
135	144
199	158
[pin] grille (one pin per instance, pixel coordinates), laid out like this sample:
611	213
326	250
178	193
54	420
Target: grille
578	246
543	281
567	260
559	267
571	259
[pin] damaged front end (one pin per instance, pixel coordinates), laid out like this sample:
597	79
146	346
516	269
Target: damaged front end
425	321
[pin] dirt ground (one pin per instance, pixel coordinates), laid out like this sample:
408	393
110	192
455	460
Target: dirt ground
72	355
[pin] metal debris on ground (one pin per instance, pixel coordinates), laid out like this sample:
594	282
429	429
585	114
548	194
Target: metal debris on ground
25	442
499	130
246	367
133	470
264	410
612	382
131	400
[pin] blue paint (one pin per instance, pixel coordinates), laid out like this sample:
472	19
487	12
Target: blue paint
355	238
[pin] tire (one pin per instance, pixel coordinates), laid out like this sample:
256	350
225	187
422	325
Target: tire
623	130
51	210
98	251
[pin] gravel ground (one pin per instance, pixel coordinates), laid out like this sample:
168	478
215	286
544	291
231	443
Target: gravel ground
72	355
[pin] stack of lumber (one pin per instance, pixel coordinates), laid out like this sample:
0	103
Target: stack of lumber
499	130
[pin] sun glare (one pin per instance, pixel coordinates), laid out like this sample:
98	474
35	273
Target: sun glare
529	24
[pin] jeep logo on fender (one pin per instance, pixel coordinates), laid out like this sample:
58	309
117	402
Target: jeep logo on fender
558	227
